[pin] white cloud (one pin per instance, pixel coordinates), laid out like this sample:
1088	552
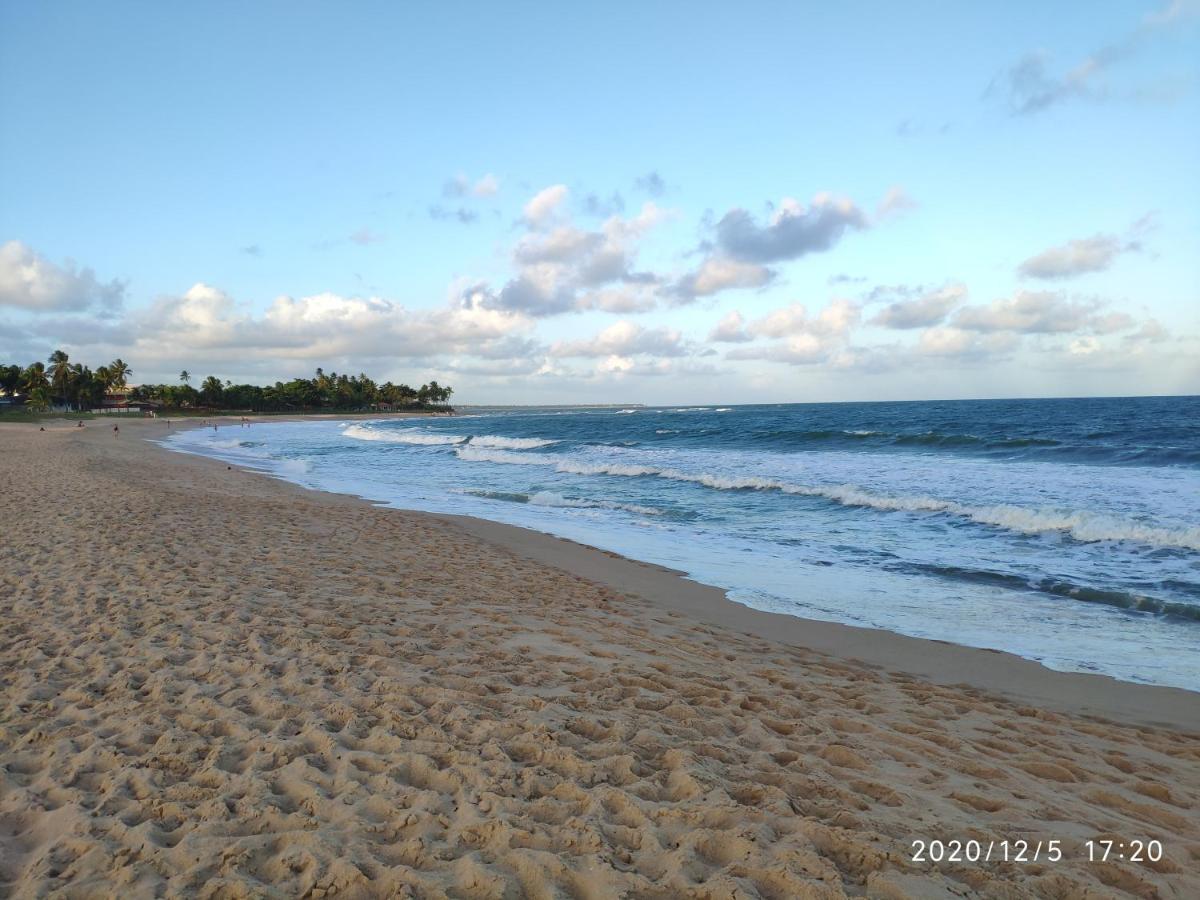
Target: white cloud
1030	312
624	339
1078	257
800	338
30	281
731	329
487	186
561	268
792	231
545	204
719	273
1031	87
206	324
929	309
947	341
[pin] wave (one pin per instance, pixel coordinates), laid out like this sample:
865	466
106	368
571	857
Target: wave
1078	525
429	438
1118	599
510	443
367	433
550	498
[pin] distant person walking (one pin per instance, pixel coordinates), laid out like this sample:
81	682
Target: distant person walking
116	429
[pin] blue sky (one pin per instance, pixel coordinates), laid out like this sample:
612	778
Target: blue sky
665	202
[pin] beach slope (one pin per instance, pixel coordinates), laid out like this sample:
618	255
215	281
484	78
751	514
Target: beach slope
220	685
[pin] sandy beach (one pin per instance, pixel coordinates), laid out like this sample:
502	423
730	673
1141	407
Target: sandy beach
216	684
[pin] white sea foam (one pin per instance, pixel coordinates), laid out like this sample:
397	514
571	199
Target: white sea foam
510	443
293	468
550	498
408	436
1079	525
625	412
434	438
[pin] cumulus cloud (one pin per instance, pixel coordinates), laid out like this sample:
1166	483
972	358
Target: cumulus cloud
1030	312
1079	257
563	268
545	205
792	231
207	325
731	329
744	248
928	309
29	280
799	338
625	339
949	341
720	273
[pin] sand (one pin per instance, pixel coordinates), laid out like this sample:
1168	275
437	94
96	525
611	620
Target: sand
220	685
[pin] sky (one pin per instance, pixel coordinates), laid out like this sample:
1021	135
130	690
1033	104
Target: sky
566	203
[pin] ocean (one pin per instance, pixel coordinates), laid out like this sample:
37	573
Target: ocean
1066	531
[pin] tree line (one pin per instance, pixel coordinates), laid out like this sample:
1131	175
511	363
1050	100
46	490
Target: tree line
82	388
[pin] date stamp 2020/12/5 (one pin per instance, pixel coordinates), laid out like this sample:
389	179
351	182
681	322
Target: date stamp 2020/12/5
1024	850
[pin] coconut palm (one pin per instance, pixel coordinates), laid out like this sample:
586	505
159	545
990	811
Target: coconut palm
10	379
119	370
185	376
60	374
211	390
39	399
34	377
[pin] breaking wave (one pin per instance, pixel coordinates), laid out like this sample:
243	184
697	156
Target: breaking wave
1078	525
429	438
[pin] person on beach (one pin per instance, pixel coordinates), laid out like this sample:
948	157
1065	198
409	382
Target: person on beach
116	429
78	424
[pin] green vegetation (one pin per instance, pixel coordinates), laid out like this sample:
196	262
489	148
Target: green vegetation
61	384
64	384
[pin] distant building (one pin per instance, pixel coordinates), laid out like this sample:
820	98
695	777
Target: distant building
122	403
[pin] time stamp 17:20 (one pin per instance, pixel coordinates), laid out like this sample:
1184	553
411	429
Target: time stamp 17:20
1032	851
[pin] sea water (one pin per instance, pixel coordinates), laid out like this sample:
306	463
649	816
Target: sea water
1066	531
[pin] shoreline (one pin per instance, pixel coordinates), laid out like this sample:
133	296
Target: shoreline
220	684
1001	673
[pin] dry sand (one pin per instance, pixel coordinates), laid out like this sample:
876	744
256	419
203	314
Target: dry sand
219	685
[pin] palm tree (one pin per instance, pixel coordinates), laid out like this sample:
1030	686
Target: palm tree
60	373
39	399
119	370
34	377
211	390
10	379
185	376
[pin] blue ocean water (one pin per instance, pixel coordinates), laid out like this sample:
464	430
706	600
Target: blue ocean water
1067	531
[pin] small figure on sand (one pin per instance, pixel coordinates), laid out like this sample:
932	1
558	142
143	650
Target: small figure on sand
117	429
78	424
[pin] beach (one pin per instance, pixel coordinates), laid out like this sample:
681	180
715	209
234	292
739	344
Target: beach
218	684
